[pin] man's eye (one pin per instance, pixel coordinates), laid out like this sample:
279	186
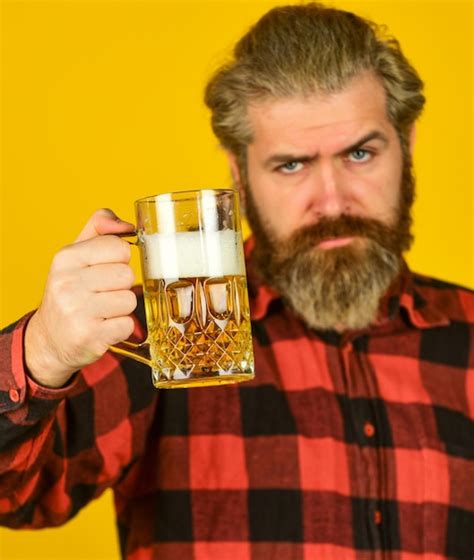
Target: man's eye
291	167
359	155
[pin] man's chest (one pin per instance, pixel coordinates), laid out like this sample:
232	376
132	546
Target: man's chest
329	443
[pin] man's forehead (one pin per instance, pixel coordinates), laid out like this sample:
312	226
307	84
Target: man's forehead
363	99
296	127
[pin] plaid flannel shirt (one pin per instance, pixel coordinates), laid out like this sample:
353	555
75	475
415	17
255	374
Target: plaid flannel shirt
353	446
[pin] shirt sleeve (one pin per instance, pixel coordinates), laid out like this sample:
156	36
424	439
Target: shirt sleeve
56	453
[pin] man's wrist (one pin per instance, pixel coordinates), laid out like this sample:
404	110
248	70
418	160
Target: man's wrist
40	366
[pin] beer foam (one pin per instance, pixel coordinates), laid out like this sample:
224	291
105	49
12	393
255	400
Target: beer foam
192	253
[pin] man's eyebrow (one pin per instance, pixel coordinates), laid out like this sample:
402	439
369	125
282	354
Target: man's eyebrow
284	158
374	135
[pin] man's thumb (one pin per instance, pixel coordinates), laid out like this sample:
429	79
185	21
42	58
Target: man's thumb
103	222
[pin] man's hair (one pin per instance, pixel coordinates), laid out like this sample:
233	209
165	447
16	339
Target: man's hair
303	50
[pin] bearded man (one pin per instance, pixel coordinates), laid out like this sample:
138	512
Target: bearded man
354	440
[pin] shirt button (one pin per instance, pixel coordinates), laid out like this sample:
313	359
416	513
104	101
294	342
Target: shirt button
369	429
378	517
14	395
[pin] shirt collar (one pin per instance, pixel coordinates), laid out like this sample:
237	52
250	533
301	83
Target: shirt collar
402	295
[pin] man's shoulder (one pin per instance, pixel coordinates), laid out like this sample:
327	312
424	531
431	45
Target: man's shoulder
431	281
454	300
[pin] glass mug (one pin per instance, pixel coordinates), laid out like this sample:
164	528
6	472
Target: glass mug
195	290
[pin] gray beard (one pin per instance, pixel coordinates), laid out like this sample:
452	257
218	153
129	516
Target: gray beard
337	289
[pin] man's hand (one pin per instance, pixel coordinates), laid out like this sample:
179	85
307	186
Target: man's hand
86	305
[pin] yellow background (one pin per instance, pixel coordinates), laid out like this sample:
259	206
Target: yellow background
102	104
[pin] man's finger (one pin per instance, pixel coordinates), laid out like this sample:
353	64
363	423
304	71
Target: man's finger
102	222
108	305
99	250
107	277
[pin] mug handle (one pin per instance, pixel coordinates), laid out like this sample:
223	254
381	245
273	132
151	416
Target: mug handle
138	351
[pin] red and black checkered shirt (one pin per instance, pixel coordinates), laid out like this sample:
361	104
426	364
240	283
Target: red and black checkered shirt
357	446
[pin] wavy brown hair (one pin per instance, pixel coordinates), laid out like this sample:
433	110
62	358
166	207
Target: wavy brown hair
303	50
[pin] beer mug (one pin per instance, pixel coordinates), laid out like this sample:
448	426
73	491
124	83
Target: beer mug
195	290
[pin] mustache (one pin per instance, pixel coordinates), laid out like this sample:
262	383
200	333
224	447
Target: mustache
345	225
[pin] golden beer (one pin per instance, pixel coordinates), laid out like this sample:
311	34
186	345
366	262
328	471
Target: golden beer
200	330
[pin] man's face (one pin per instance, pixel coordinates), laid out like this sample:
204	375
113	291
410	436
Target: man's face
323	196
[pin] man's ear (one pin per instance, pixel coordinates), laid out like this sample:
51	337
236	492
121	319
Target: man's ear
412	138
236	177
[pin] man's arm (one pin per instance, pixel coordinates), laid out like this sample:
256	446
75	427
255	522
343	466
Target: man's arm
48	449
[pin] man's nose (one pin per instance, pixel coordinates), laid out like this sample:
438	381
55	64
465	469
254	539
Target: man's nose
329	196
